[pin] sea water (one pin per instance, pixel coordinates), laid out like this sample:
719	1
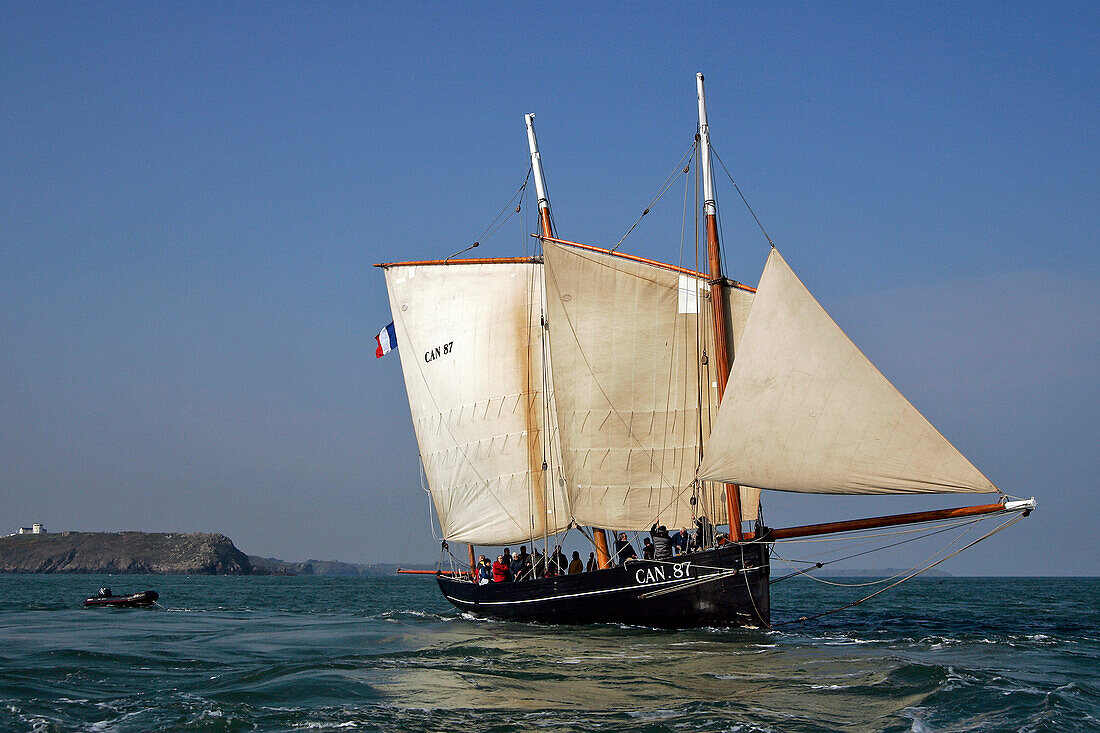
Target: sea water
390	654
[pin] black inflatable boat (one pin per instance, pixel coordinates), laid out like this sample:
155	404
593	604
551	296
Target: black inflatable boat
134	600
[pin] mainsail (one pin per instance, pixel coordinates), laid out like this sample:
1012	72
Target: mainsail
472	354
806	411
635	399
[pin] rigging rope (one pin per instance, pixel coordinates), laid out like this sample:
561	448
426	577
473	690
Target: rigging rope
925	569
491	229
966	524
738	189
748	588
424	487
680	169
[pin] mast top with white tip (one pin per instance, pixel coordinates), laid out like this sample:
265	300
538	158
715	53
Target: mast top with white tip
540	183
709	206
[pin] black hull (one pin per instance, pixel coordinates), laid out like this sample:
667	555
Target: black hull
726	586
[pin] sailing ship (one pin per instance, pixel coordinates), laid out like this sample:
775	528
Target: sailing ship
586	389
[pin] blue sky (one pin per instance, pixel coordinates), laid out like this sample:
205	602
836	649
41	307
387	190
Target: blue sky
193	195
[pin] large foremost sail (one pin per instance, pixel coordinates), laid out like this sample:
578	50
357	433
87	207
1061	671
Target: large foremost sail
635	400
470	340
806	411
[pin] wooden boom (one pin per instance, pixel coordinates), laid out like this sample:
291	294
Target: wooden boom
851	525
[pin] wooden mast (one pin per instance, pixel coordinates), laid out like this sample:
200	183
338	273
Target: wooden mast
717	296
603	557
546	225
544	215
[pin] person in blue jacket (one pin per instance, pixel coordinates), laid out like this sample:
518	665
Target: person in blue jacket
484	571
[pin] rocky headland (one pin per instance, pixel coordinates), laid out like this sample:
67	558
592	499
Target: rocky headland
122	553
275	566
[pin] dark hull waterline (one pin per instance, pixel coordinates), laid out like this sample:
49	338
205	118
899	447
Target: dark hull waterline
726	586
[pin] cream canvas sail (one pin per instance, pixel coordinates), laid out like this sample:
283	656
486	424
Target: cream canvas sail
470	340
634	400
806	411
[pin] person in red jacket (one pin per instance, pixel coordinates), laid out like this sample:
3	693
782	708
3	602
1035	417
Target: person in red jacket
500	570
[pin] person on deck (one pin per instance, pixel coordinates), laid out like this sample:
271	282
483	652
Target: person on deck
576	565
662	543
484	571
704	532
500	570
558	562
519	561
624	550
508	564
680	541
647	549
528	567
538	564
592	565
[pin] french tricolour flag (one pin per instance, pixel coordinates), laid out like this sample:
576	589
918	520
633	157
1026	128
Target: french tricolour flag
387	341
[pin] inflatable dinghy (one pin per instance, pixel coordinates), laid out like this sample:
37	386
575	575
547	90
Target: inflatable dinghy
134	600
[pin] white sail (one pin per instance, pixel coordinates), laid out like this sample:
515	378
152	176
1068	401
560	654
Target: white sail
806	411
630	388
470	340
